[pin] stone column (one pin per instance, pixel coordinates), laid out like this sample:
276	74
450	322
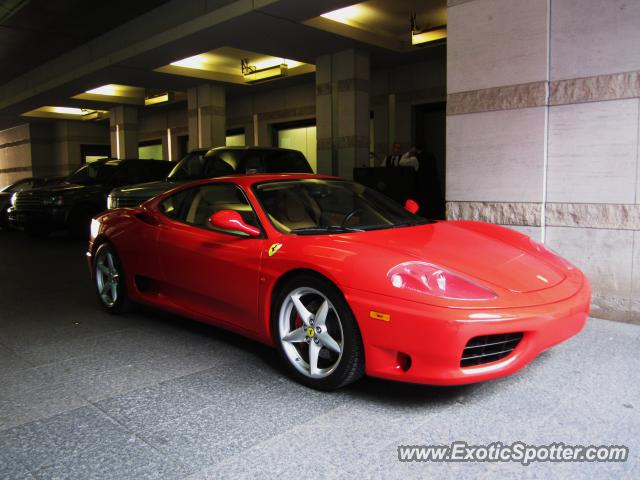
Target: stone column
207	116
123	122
496	111
342	112
170	150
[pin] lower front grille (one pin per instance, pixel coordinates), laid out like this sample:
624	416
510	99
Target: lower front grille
489	348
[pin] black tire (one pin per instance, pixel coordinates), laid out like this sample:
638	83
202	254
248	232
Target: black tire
351	363
122	303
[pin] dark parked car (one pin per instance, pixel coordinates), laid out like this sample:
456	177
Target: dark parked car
20	185
70	204
214	162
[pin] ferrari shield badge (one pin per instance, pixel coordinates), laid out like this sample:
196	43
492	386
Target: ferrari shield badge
274	248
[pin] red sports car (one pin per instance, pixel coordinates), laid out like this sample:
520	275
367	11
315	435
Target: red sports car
340	279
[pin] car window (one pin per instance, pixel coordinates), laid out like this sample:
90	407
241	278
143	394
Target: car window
129	173
218	166
310	206
207	200
276	161
189	168
94	173
176	206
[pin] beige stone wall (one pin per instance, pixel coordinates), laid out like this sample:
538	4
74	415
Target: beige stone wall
543	131
15	154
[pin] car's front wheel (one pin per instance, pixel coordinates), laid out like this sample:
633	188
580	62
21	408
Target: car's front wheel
317	334
109	280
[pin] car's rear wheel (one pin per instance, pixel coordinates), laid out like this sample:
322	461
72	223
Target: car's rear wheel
109	280
316	334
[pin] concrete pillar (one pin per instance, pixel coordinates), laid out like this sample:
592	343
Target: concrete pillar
342	112
123	121
170	147
207	116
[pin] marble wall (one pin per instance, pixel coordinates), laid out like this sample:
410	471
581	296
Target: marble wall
544	127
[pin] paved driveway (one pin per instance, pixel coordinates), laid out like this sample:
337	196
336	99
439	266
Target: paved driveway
149	395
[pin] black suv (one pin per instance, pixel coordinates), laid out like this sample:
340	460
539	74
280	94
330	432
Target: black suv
70	204
214	162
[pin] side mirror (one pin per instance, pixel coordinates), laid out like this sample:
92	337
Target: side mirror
411	206
231	220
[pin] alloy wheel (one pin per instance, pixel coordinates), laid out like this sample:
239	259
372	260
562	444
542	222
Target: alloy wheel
310	331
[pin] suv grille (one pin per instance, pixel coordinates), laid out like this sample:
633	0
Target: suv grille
126	202
29	200
489	348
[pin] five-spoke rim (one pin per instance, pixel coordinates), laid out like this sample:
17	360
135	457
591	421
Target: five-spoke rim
107	278
311	332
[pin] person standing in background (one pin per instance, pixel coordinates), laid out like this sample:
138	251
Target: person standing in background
393	160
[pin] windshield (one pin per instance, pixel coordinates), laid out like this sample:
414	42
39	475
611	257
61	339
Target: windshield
313	206
198	165
276	161
93	173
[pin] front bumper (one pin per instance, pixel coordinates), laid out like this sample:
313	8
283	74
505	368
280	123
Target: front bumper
424	344
45	219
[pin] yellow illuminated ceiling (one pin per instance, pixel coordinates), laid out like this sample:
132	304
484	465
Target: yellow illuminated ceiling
223	64
385	23
67	113
115	93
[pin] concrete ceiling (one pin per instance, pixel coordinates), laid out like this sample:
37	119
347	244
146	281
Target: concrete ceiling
131	53
35	31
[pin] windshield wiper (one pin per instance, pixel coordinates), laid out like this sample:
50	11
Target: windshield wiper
327	229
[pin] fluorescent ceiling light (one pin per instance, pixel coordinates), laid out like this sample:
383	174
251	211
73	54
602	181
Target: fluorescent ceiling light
345	15
418	38
197	62
162	98
65	110
111	90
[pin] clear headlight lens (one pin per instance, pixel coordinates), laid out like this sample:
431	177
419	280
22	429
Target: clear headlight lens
423	277
54	201
14	199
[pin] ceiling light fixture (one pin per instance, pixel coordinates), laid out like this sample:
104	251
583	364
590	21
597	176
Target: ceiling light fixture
253	75
156	99
421	36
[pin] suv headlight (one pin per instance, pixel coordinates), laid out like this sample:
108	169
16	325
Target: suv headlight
14	199
112	202
53	201
423	277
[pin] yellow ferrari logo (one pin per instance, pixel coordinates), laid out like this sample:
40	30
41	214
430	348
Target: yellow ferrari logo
310	332
274	248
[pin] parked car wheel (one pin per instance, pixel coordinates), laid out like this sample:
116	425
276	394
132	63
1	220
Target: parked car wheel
109	280
316	334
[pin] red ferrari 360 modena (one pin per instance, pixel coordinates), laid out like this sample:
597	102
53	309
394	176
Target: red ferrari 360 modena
340	279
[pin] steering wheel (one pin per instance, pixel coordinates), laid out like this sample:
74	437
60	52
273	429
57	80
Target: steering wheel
349	216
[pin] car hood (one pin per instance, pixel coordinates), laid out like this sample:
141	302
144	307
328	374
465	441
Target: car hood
63	188
145	190
477	255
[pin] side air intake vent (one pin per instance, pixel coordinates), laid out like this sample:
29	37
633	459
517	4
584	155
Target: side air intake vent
489	348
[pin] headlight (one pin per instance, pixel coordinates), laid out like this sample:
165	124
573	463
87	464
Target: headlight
112	202
95	228
54	201
14	199
539	247
432	280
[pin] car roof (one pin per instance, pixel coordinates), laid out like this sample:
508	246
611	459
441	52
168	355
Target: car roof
249	180
249	147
